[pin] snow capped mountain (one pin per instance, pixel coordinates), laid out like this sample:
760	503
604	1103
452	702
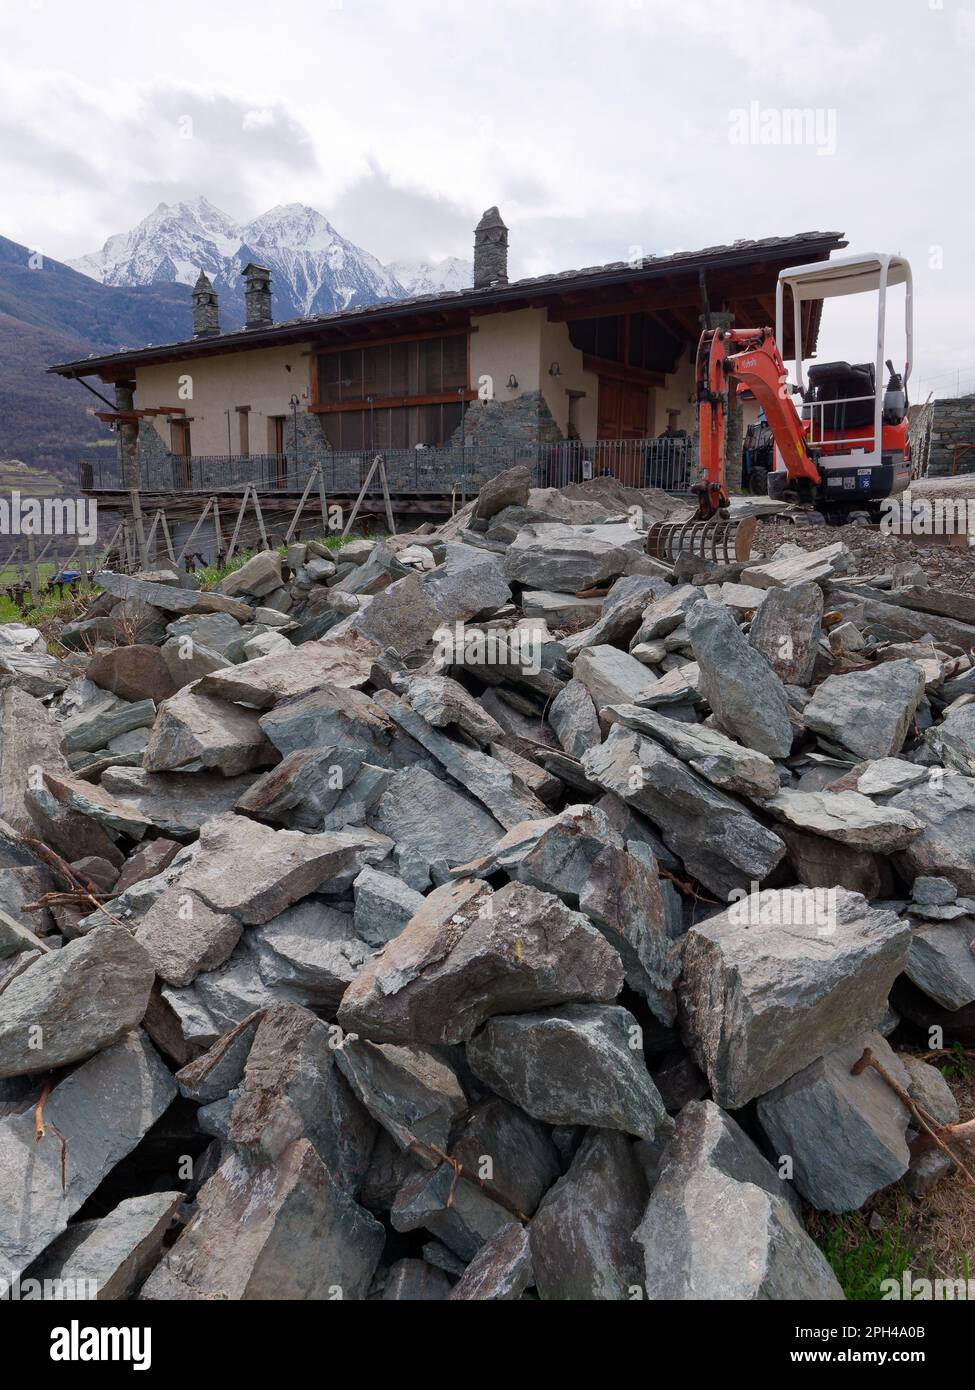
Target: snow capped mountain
314	269
432	277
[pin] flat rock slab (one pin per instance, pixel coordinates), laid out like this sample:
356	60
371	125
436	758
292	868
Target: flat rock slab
953	740
780	979
196	732
945	805
553	555
716	837
183	936
29	738
169	598
133	673
103	1108
73	1002
470	582
176	803
787	630
848	817
253	872
610	676
384	906
746	695
581	1238
89	799
410	1091
804	567
344	663
846	1135
98	724
869	712
500	1272
468	955
579	1064
719	759
941	962
269	1232
310	953
110	1258
572	715
719	1225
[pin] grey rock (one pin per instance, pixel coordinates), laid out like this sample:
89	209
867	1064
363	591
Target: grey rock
432	819
114	1255
259	575
719	1226
384	906
311	953
344	663
886	776
953	740
576	1064
404	617
187	662
104	1106
800	566
723	762
935	892
271	1232
194	732
30	740
746	695
254	873
88	799
410	1091
168	598
73	1002
182	936
558	556
928	1088
665	612
787	630
507	489
468	955
515	1149
572	715
845	1134
459	1213
847	817
581	1239
718	840
870	711
443	702
559	610
945	805
611	677
415	1281
96	726
941	962
331	716
176	803
316	789
780	979
470	582
501	1271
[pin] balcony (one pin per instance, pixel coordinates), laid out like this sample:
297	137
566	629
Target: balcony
668	464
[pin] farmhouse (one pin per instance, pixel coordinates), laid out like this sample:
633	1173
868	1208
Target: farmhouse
581	371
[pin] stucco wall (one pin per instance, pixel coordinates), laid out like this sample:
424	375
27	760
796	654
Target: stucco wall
264	379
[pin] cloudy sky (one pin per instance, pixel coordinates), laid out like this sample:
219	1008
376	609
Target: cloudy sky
602	128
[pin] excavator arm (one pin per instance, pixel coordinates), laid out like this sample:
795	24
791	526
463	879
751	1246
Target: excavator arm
749	357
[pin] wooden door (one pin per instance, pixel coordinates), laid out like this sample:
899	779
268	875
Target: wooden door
623	412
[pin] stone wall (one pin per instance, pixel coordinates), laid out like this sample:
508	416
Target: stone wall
500	424
954	424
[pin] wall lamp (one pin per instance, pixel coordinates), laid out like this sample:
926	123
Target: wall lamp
555	369
512	382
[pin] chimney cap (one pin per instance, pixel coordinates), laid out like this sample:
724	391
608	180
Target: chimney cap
253	268
203	282
491	218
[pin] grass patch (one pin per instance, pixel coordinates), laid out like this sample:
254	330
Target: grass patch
211	575
862	1259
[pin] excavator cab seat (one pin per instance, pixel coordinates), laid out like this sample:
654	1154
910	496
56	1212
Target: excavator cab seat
832	384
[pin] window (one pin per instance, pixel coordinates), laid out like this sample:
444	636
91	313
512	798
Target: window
393	371
394	427
243	429
179	438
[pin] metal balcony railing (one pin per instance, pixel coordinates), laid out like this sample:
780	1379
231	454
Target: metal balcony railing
668	464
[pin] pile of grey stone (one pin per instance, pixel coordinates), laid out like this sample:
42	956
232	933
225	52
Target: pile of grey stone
483	913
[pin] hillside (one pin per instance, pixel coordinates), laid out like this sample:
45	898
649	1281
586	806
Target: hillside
54	314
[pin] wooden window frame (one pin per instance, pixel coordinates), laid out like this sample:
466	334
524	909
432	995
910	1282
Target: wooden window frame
465	393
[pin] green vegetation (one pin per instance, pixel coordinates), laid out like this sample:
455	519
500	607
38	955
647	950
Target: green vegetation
211	576
862	1258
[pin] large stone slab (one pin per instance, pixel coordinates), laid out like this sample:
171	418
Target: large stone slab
311	953
581	1239
719	841
578	1064
176	803
30	742
941	962
800	567
787	630
259	575
556	556
183	936
344	663
111	1257
468	955
469	583
848	817
403	617
746	695
501	1271
945	805
99	723
253	872
611	677
133	673
266	1232
846	1135
169	598
102	1109
572	714
73	1002
719	1227
723	762
869	712
781	978
432	821
89	799
195	732
953	740
410	1091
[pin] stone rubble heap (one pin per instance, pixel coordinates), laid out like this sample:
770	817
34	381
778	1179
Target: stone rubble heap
488	913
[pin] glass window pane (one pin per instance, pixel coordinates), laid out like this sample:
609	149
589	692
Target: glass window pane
454	363
328	378
352	375
431	366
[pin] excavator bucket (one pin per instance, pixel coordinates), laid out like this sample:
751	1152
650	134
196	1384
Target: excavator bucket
718	540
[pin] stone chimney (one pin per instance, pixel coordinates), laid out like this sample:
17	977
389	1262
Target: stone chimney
490	251
206	315
257	295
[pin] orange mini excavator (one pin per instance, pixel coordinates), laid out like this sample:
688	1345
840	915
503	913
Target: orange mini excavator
845	448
